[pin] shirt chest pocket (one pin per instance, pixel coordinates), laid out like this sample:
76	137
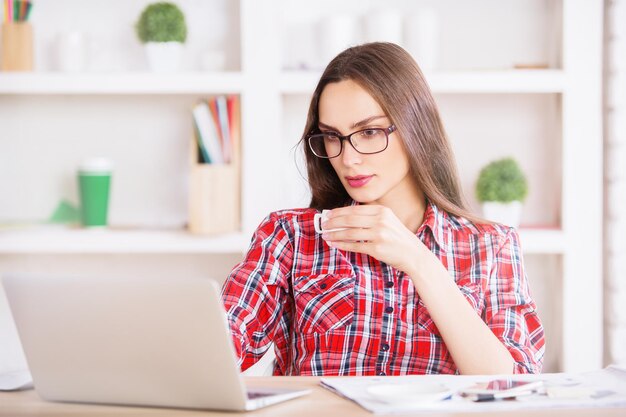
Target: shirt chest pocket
323	302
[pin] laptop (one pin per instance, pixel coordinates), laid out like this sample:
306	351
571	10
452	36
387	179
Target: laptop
160	342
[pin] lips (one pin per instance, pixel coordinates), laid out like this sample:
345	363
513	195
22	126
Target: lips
359	180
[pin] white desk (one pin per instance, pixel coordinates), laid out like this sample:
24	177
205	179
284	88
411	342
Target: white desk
320	403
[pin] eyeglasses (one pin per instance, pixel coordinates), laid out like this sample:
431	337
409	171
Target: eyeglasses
366	141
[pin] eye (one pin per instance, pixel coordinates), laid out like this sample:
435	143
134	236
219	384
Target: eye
329	135
370	133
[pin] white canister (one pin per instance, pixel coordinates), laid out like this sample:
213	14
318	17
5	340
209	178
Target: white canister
422	38
384	26
299	43
71	52
212	60
337	33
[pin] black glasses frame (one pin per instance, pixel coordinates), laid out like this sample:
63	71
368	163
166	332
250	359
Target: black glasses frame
387	131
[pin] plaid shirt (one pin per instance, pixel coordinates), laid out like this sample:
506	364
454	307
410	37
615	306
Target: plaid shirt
330	312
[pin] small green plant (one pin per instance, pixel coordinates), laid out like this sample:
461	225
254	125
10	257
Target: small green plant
161	22
501	181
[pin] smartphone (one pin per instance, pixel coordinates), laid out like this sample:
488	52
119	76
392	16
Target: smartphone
500	388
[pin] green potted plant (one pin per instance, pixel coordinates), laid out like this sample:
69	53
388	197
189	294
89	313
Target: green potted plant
501	188
162	29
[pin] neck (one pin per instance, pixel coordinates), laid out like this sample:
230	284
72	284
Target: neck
407	203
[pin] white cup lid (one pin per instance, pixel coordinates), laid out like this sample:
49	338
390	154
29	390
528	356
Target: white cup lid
96	165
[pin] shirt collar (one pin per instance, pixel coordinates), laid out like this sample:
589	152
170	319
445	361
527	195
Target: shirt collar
436	220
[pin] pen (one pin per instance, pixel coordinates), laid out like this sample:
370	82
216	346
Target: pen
500	396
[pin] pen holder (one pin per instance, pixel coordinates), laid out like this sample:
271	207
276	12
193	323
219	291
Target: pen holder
17	46
214	196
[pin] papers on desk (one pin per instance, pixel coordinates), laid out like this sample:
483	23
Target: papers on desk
16	381
604	388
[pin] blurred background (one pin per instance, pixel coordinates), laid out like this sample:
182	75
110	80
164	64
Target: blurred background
540	81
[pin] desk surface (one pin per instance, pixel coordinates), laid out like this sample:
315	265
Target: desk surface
320	402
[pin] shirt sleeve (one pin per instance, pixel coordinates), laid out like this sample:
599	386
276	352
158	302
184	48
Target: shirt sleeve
254	292
510	311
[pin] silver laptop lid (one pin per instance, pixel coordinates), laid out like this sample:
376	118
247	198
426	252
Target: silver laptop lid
144	341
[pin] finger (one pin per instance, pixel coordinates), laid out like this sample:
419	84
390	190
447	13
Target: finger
352	235
358	247
350	221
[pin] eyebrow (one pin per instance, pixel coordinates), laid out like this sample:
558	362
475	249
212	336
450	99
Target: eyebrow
363	122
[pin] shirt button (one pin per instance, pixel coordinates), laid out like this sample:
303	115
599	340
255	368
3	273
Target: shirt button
389	310
381	373
389	284
323	286
384	347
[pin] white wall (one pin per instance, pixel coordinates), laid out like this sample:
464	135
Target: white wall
112	44
148	135
615	182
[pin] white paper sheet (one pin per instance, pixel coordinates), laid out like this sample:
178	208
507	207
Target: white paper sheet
15	381
603	388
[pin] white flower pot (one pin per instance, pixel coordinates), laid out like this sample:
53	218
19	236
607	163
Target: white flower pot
508	214
164	56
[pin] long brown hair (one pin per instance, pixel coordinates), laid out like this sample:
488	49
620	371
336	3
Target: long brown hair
391	76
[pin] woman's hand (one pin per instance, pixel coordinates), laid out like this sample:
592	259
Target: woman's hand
375	231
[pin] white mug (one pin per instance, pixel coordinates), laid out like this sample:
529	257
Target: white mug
322	217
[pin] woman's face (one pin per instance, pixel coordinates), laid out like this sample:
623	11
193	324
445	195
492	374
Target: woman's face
380	178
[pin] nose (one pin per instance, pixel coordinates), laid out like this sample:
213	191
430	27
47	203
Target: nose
349	155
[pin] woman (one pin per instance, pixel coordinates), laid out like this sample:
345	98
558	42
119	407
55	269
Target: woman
404	280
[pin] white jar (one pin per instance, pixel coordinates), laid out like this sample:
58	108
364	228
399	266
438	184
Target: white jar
212	60
337	33
71	52
384	26
422	38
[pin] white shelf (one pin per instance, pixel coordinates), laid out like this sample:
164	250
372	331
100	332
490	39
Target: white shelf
53	239
61	240
506	81
120	83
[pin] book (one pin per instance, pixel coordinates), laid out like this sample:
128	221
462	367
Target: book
207	133
222	113
234	119
203	154
216	121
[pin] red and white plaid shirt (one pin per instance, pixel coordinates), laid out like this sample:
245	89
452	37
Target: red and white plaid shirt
330	312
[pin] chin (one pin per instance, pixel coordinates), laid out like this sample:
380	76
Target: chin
364	196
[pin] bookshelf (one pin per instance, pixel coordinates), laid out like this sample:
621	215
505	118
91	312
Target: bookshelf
555	110
191	83
61	240
518	81
504	81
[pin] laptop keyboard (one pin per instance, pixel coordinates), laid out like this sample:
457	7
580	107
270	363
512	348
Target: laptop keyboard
255	395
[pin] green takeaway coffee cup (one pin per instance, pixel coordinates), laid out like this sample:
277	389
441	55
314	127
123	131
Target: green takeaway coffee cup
94	181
